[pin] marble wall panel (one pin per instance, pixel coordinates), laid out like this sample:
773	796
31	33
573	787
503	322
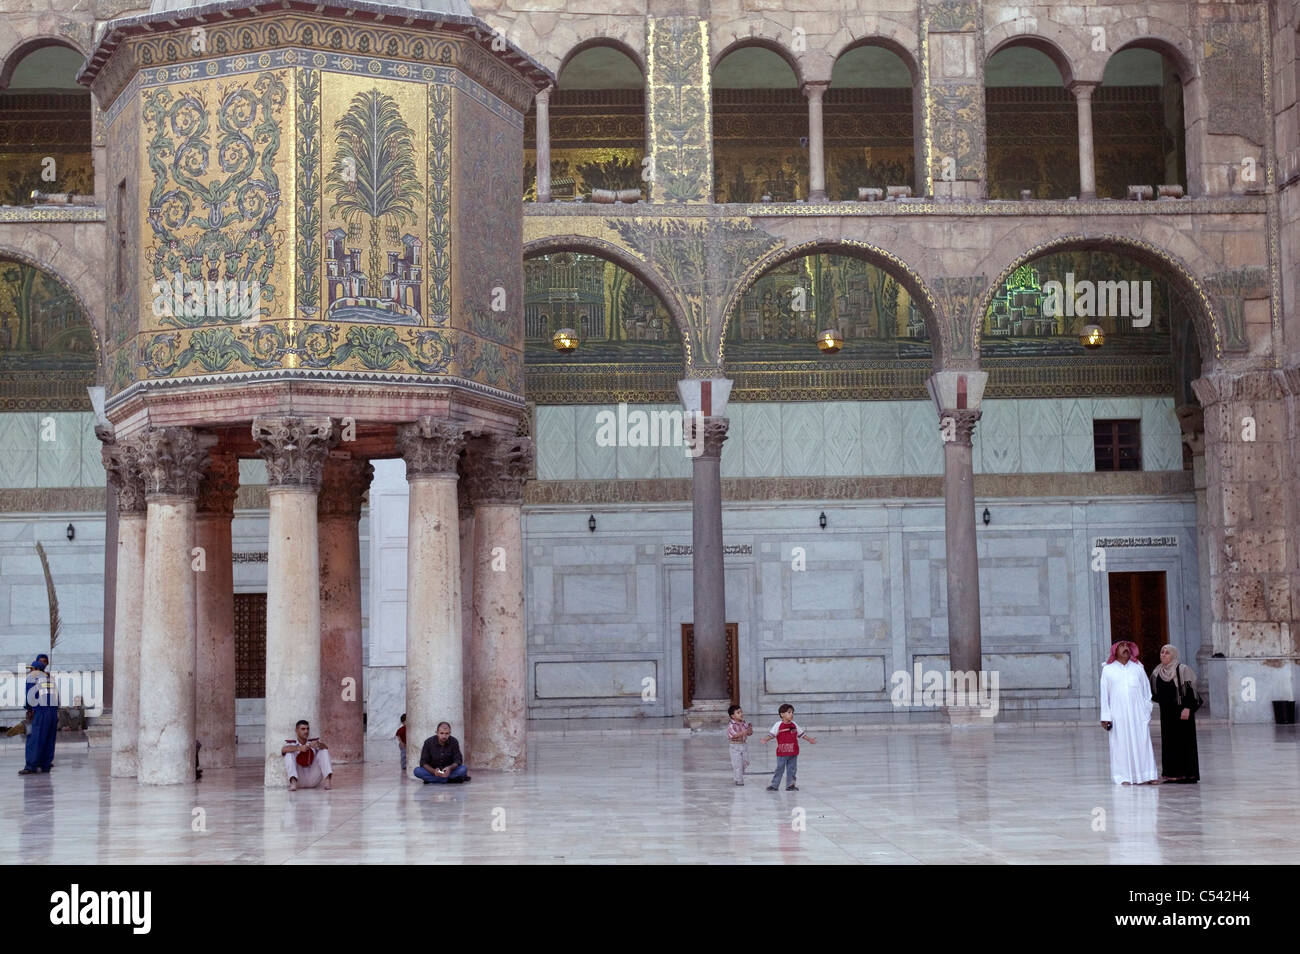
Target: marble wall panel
620	679
803	675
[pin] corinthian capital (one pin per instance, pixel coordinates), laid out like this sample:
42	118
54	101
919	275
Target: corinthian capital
220	485
172	460
705	435
343	485
294	449
430	447
122	461
958	426
496	468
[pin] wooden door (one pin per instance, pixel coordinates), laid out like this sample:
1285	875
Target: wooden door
688	663
1138	612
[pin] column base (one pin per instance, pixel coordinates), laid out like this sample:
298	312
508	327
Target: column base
968	717
818	197
706	714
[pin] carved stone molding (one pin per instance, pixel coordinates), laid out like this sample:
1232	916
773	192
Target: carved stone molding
958	426
172	461
342	488
220	485
294	449
713	433
496	469
430	447
1224	386
122	462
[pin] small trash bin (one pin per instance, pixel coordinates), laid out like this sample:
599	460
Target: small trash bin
1284	711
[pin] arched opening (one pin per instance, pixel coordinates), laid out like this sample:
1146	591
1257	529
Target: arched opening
869	122
771	344
597	126
1032	125
760	128
630	346
1137	121
45	126
47	348
1030	346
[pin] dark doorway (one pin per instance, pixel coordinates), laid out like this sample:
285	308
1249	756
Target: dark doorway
250	645
1138	613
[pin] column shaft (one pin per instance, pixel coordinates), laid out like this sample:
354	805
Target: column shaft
215	614
1087	174
467	617
707	573
293	636
543	101
171	463
496	469
167	644
500	713
816	142
960	546
342	690
126	642
435	683
295	449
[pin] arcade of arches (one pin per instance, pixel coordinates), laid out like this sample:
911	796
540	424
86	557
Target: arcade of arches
399	478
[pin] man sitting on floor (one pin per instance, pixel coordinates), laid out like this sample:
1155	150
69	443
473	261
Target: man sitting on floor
440	759
306	761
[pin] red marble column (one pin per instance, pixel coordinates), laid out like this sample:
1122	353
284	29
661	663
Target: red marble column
215	614
342	689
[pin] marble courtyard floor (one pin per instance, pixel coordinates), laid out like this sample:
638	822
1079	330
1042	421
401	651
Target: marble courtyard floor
1018	794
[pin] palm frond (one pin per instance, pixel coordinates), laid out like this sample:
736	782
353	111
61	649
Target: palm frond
56	624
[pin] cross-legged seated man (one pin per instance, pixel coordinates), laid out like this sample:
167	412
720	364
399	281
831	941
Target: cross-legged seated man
306	760
440	759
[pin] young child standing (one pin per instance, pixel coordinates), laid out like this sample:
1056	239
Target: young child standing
738	730
401	740
787	734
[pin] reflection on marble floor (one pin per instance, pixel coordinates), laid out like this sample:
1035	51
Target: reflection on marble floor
1015	795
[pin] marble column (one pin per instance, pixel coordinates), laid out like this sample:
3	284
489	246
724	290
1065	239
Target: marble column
816	142
110	584
708	579
342	688
121	461
171	462
466	510
215	613
957	396
1087	174
435	679
1191	422
497	468
295	449
543	101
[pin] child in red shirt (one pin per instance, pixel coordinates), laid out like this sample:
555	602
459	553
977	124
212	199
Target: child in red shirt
787	734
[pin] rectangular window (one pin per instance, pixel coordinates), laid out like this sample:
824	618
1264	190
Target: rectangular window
120	215
1117	445
250	645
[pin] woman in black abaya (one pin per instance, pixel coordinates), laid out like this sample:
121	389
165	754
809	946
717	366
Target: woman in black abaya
1173	688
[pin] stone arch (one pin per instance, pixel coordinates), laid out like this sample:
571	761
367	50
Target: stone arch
9	62
612	43
1157	35
1056	44
885	43
908	277
17	255
766	43
1204	319
554	244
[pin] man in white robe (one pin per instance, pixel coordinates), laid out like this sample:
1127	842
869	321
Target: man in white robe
1126	713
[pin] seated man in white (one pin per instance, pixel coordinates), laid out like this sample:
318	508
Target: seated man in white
306	760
